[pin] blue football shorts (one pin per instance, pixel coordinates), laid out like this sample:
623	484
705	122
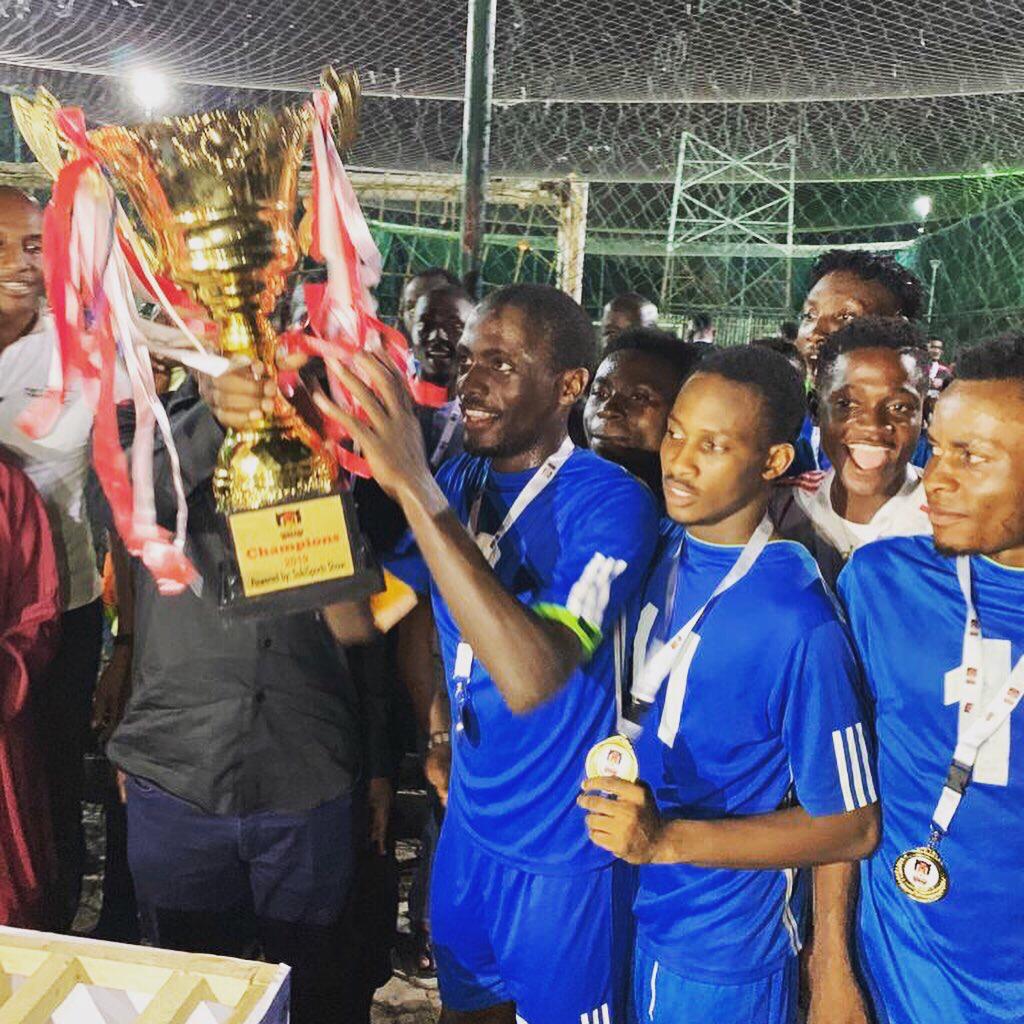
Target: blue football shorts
558	946
661	997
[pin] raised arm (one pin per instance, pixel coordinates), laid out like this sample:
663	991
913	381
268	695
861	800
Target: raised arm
529	657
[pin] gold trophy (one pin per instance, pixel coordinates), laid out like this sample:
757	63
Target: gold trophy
217	192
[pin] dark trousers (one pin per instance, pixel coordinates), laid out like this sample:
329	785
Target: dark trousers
419	891
63	708
270	883
119	920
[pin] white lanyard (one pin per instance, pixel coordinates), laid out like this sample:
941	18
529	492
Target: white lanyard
448	432
676	653
977	723
489	543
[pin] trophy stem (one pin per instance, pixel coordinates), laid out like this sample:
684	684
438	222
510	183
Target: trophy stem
248	332
278	458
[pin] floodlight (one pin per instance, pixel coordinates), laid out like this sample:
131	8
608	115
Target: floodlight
923	206
150	88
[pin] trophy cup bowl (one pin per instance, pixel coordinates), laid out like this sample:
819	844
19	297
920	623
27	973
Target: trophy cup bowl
217	192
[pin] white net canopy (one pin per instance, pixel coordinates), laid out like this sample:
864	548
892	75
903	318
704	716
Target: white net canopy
863	106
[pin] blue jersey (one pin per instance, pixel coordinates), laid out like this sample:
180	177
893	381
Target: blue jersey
772	713
577	554
960	960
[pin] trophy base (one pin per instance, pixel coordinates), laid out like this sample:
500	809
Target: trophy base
297	556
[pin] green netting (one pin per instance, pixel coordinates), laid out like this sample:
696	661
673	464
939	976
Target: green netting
863	108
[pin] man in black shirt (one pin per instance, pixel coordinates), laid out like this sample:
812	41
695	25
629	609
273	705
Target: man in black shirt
242	746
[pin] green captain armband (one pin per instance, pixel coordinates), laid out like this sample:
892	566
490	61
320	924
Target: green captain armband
588	636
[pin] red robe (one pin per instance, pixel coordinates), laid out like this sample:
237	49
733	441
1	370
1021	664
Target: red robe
29	617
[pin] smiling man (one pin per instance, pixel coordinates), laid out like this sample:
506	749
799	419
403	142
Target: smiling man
58	466
438	321
526	914
629	402
941	635
754	756
872	381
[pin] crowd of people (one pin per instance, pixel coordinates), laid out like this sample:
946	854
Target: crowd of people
783	579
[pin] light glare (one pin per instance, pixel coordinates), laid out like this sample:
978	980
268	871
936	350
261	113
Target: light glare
150	88
923	206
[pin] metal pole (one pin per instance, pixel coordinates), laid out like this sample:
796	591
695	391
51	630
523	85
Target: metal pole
673	217
476	136
790	221
935	264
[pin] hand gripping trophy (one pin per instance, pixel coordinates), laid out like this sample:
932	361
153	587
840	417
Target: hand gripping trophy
217	193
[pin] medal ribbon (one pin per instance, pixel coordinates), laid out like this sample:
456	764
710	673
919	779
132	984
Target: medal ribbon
489	543
667	659
445	440
977	723
489	546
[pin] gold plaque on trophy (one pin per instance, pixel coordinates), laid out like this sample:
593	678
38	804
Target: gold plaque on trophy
291	545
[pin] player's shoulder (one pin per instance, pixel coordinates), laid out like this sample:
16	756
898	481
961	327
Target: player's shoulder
584	467
459	472
893	562
790	584
590	482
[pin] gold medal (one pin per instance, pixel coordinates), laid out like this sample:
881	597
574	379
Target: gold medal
613	757
921	875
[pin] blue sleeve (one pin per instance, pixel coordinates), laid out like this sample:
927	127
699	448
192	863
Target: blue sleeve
603	562
826	728
405	560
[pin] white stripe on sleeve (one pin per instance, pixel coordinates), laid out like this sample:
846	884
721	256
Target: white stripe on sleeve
858	781
844	775
866	762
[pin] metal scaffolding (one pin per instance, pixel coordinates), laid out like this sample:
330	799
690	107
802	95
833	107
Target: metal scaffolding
730	235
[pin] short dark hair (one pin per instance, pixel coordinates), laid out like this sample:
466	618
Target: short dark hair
789	330
554	317
682	358
448	291
906	289
999	358
701	322
448	277
777	344
777	383
893	333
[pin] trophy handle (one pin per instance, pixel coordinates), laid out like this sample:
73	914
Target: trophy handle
34	119
346	88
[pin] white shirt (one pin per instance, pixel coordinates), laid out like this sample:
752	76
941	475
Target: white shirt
58	464
807	516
